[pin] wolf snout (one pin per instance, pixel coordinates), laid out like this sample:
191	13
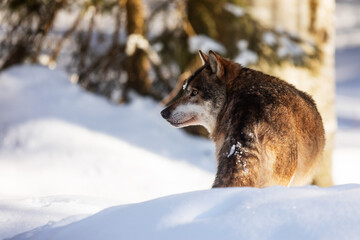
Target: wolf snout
165	113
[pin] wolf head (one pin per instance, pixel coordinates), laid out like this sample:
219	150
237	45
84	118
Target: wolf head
203	95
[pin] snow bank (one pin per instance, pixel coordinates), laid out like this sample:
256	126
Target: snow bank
233	213
54	157
58	140
346	162
22	214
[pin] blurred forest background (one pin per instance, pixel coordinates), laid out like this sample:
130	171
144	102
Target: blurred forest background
114	47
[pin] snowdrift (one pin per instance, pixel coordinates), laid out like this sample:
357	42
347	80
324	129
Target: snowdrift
59	139
233	213
65	151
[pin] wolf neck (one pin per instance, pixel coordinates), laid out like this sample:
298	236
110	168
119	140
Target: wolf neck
210	124
216	134
221	125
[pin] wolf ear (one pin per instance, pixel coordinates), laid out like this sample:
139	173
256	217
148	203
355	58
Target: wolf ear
204	57
216	64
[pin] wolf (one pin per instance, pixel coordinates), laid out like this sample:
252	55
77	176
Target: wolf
266	131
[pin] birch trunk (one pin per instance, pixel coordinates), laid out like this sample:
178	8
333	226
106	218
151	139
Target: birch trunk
312	20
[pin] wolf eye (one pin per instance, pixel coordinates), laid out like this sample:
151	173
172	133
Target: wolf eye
194	92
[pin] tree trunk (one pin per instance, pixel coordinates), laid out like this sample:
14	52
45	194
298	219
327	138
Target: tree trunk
312	20
137	63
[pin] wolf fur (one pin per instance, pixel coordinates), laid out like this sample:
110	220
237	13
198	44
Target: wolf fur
265	130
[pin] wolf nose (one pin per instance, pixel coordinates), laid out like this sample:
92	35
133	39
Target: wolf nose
165	113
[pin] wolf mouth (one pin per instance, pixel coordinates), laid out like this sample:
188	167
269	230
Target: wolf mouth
178	124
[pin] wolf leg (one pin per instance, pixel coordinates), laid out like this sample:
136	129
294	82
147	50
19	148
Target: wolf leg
238	164
261	159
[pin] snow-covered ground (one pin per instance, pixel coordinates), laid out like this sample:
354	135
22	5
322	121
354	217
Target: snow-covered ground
66	154
84	152
347	154
237	213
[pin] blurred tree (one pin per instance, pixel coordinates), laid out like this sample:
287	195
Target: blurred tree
28	23
145	61
313	21
137	63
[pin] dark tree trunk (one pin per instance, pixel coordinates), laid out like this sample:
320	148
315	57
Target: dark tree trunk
137	62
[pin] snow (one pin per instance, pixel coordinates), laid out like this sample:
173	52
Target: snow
232	213
232	150
137	41
205	44
347	161
234	9
288	48
246	56
58	140
66	154
21	214
347	24
87	162
269	38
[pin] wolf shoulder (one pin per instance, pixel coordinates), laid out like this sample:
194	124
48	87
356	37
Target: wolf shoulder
262	90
